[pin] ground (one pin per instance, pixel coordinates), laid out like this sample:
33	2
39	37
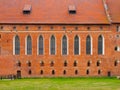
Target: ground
61	84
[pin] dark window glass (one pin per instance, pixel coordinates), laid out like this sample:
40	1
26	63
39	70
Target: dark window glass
76	45
64	45
17	45
40	45
29	45
100	45
88	45
52	45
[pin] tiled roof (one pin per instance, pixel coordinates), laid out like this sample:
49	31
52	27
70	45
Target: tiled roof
114	10
53	12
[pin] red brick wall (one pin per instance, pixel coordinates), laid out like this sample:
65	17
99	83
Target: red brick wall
107	60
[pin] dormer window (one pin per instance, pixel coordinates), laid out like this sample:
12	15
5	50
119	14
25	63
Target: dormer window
27	9
72	9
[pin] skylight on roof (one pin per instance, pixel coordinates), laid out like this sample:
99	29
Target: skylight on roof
27	9
72	9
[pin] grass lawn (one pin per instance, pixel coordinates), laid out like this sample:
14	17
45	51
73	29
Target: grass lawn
61	84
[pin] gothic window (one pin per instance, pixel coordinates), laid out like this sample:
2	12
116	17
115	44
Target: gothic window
76	45
88	45
52	45
29	45
89	63
40	45
98	63
100	45
64	45
17	45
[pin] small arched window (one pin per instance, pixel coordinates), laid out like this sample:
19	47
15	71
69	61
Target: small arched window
88	45
29	45
40	45
64	72
29	72
89	63
41	63
75	63
99	72
17	45
51	63
53	72
65	64
88	71
100	45
98	63
76	45
29	63
64	45
41	72
52	45
76	72
18	63
116	63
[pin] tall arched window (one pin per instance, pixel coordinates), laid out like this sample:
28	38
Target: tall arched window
76	45
64	45
88	45
16	45
29	45
40	45
100	45
52	45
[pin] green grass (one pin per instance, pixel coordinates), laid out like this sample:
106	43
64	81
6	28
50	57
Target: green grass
61	84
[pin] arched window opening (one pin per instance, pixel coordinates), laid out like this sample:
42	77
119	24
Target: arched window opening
89	63
116	63
99	72
29	45
65	64
76	72
52	45
88	45
100	45
52	64
76	45
64	72
64	45
29	72
40	45
98	63
75	63
41	72
117	48
17	45
18	63
87	72
41	63
53	72
29	63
